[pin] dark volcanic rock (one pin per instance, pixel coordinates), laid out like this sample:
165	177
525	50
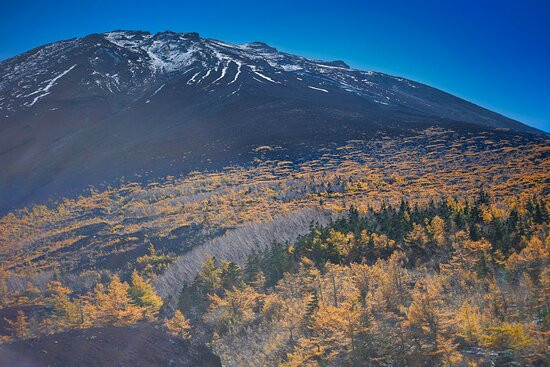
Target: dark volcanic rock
139	345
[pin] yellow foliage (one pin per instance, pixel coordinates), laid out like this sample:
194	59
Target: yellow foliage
235	308
469	323
178	326
20	326
506	336
67	313
113	305
532	257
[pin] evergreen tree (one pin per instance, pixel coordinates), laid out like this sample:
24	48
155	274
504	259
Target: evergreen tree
143	295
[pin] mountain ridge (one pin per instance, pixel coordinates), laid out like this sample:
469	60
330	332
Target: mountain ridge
134	40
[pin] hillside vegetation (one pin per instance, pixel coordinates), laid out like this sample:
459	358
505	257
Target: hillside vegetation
99	228
427	249
447	284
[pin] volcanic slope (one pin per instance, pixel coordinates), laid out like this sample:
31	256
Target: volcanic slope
90	110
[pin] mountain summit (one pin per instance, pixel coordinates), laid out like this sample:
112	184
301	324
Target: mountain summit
90	110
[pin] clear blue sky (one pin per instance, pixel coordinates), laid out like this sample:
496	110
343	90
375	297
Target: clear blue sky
494	53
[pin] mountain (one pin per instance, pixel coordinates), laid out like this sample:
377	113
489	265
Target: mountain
252	207
90	110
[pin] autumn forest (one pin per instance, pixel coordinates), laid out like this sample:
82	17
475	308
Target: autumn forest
377	253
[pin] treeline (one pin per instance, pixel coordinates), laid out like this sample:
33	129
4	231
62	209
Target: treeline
422	233
450	283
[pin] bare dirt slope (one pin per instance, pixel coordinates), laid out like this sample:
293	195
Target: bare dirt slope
139	345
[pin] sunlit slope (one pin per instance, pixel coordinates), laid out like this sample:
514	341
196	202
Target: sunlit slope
107	228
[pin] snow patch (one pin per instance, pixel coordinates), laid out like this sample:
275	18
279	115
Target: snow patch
204	76
320	89
224	70
46	90
254	70
290	67
190	81
237	74
158	90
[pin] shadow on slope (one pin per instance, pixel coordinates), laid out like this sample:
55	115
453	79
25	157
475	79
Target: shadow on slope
138	345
